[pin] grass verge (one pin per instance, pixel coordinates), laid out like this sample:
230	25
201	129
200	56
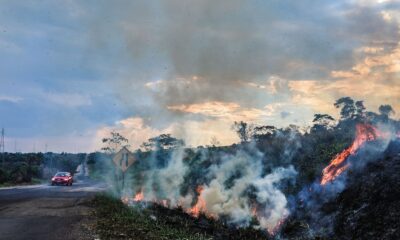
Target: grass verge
34	181
118	221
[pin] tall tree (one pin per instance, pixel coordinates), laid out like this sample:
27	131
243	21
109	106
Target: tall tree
243	130
350	109
263	132
214	141
360	108
386	110
347	106
322	122
114	142
163	141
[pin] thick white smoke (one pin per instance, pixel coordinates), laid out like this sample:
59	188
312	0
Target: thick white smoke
168	181
236	189
269	205
172	177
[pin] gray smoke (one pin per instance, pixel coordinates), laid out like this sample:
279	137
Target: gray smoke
236	188
226	45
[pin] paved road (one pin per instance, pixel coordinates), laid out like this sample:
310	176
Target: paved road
47	212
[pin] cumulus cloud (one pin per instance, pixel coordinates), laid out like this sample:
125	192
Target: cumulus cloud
225	49
134	129
194	133
225	111
219	68
252	58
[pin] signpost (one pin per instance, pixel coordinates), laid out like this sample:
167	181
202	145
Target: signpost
123	159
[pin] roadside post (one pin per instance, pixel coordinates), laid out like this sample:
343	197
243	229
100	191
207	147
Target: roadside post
123	159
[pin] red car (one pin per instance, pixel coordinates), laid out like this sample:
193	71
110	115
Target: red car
63	178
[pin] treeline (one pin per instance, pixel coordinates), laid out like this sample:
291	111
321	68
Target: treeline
18	168
308	149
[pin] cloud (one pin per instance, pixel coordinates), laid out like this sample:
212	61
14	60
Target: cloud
194	133
226	111
373	77
273	85
194	64
9	47
69	99
211	69
133	128
12	99
259	41
284	114
388	61
201	55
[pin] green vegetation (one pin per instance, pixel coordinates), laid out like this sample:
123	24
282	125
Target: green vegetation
31	168
115	220
33	181
307	149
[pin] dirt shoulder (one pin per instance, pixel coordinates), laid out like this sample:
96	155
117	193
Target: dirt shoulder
46	218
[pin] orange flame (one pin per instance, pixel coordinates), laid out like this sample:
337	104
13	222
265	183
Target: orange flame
139	196
277	227
164	203
257	213
200	206
254	211
125	200
364	133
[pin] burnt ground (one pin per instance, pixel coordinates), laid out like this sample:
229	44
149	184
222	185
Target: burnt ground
148	221
370	206
367	208
48	212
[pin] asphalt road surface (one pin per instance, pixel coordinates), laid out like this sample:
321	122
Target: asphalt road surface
47	212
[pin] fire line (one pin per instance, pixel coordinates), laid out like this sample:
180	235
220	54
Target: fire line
364	133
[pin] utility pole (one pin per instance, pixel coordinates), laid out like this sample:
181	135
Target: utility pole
2	146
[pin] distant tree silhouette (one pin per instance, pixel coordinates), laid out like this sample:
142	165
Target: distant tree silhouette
114	142
163	141
243	130
322	122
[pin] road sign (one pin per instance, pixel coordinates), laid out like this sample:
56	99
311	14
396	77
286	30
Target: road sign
124	159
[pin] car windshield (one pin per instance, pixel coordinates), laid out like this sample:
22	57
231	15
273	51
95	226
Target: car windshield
62	174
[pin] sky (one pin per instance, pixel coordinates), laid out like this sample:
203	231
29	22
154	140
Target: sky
72	71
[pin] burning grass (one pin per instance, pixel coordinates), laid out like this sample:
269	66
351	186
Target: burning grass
115	220
270	182
364	133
